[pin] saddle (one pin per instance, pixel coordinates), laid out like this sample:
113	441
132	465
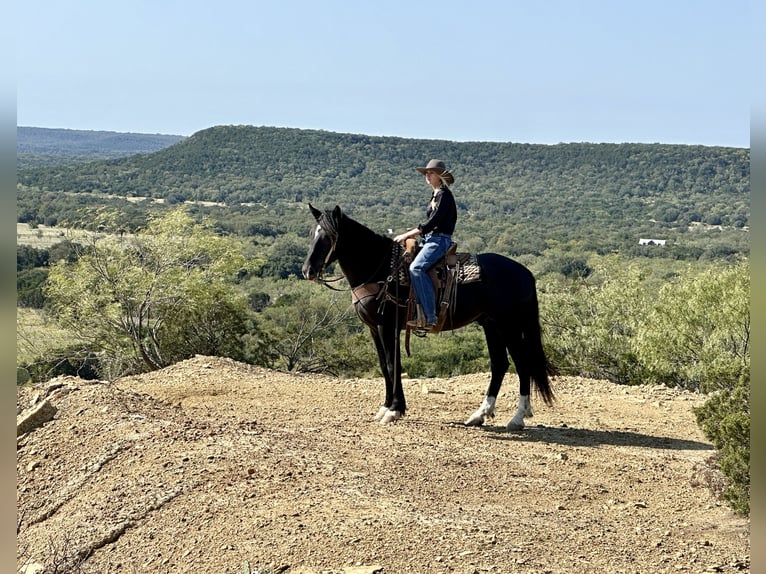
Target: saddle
445	274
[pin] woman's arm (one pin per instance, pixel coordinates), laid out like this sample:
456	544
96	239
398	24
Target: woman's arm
401	238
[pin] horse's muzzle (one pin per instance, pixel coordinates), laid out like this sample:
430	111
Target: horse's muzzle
308	272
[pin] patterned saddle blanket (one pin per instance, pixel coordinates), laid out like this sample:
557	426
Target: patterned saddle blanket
468	269
465	264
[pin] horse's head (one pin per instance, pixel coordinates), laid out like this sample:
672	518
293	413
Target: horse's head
324	239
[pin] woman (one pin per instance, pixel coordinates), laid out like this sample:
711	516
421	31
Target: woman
437	231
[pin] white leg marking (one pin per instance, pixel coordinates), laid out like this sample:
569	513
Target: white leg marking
391	417
485	411
523	411
381	413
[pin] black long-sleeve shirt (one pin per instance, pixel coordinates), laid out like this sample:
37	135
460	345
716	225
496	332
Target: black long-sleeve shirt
441	213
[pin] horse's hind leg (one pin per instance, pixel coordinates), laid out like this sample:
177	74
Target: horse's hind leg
524	410
498	358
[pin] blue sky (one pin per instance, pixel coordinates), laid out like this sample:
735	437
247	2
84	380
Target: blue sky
549	71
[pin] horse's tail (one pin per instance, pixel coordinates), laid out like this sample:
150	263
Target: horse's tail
539	368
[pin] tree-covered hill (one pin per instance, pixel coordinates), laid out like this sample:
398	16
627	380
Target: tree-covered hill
562	209
36	147
515	198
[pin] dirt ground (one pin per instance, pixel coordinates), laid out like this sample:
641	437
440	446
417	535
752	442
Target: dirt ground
212	466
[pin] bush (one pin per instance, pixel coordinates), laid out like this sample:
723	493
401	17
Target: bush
725	420
150	300
314	329
697	333
29	287
589	325
693	332
75	361
450	354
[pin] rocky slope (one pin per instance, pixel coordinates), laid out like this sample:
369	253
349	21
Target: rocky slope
212	466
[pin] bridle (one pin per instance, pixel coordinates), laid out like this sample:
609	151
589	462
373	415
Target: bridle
395	262
331	231
328	225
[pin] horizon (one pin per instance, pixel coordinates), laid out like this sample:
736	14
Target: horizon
373	135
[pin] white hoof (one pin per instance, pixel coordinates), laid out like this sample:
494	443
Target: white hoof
514	425
523	411
475	420
381	413
485	411
390	417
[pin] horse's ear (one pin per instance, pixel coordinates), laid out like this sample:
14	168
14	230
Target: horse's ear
336	213
315	212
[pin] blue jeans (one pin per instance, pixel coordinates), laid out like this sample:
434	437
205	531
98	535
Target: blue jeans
434	248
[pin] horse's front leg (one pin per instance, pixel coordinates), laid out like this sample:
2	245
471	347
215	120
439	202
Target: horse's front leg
391	363
387	347
389	396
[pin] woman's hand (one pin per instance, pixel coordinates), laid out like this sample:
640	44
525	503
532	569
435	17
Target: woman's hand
401	238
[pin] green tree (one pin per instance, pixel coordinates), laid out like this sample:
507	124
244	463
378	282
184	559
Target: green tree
697	334
29	286
590	324
149	300
698	337
314	329
284	257
725	420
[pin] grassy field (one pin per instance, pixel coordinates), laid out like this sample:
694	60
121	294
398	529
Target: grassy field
35	335
44	237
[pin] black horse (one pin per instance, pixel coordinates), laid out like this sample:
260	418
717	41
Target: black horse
503	302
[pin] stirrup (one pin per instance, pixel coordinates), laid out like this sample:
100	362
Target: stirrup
417	322
421	329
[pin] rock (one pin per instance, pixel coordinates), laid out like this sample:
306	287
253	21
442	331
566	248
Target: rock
35	417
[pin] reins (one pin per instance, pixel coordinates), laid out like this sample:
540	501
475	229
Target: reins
326	283
372	288
329	227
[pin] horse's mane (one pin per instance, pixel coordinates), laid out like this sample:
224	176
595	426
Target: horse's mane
351	226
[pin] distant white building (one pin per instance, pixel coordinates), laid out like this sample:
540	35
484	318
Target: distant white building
652	241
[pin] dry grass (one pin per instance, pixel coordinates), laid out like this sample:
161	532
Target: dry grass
44	237
36	334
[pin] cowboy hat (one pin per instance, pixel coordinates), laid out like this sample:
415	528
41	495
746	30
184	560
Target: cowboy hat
438	166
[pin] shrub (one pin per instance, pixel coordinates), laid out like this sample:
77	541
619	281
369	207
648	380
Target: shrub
697	334
312	329
74	360
150	300
725	420
450	354
692	332
589	325
29	287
